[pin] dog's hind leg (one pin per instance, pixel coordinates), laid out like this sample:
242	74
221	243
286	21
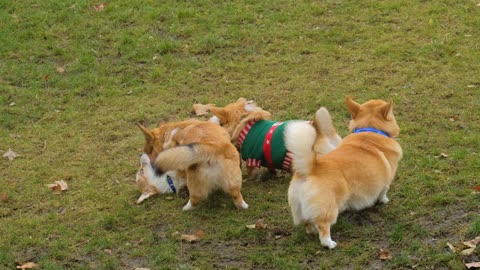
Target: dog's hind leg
294	191
383	196
323	228
237	198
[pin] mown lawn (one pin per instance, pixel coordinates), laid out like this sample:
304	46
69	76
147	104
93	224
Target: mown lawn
75	78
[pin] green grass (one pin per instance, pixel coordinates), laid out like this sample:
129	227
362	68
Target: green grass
149	60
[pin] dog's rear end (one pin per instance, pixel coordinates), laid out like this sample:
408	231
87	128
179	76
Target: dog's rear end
204	151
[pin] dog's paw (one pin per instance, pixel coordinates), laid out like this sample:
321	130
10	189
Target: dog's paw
243	205
328	243
188	206
384	199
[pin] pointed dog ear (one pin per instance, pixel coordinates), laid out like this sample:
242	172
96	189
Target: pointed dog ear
220	113
148	134
387	110
353	106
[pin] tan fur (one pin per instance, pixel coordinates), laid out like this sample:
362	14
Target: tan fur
235	116
201	151
353	176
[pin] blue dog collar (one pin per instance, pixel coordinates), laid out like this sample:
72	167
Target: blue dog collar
170	183
369	129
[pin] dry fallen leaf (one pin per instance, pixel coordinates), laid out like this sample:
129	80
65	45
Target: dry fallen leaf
28	265
476	188
11	155
467	252
451	247
200	233
61	69
442	155
202	109
259	225
473	265
58	186
384	255
99	7
46	77
4	197
472	244
189	238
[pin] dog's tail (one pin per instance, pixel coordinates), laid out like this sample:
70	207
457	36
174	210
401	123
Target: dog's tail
325	129
181	157
300	138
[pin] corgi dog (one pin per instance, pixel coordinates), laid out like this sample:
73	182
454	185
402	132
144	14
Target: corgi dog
149	184
201	152
354	176
261	141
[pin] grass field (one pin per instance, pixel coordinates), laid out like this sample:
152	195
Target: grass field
75	78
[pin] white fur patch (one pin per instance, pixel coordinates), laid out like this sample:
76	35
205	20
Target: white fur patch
188	206
299	139
250	106
214	119
167	143
244	205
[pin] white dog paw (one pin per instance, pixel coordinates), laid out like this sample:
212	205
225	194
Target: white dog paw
384	199
188	206
328	242
244	205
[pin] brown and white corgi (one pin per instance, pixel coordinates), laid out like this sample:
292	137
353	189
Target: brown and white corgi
201	152
261	141
353	176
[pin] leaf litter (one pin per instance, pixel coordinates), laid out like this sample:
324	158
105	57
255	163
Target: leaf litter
58	187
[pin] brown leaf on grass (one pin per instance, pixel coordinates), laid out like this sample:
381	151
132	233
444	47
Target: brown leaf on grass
472	244
28	265
259	225
58	186
467	252
442	155
61	69
473	265
476	188
200	233
451	247
4	197
46	77
11	155
384	255
99	7
191	238
202	109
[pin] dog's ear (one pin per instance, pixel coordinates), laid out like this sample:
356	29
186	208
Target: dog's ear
220	113
387	110
353	106
148	134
